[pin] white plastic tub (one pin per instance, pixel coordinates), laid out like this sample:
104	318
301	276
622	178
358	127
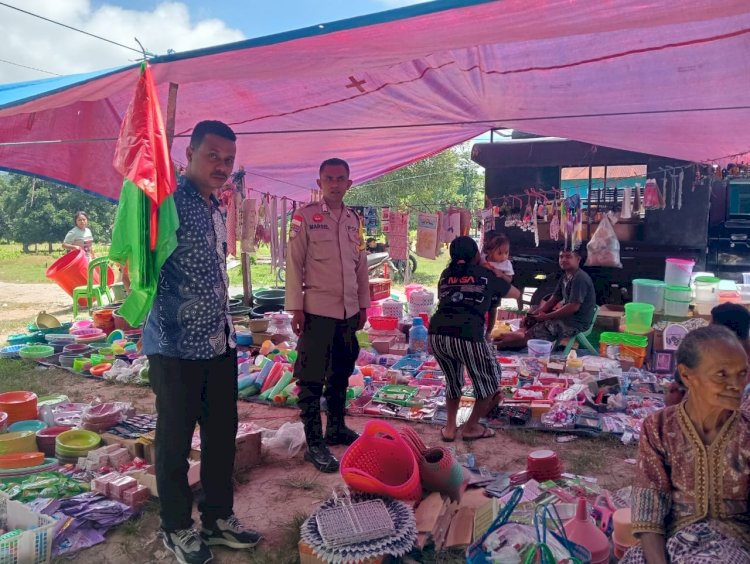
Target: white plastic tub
676	308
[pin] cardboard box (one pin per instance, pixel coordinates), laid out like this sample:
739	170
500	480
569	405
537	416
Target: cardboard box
134	447
610	317
247	455
147	476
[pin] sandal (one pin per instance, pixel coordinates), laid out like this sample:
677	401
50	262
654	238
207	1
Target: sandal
487	433
444	438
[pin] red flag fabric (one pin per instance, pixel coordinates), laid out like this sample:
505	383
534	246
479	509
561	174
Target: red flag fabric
142	152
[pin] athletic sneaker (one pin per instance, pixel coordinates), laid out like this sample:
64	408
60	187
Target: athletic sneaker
187	546
230	532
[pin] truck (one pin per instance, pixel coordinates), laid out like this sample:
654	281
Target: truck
709	223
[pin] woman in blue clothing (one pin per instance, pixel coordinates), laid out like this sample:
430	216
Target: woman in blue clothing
459	332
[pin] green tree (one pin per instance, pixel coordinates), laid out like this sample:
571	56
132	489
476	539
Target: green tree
445	179
37	211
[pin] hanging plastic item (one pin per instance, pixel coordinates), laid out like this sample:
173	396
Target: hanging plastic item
626	212
651	197
604	247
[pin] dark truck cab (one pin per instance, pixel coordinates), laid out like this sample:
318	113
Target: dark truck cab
646	241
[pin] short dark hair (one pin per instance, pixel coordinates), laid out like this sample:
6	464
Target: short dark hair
211	127
79	214
734	317
494	241
335	161
577	251
463	249
690	351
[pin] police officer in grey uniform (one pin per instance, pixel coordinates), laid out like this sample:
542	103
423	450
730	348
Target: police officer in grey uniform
327	291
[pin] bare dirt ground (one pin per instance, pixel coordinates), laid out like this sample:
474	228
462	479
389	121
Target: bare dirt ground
274	496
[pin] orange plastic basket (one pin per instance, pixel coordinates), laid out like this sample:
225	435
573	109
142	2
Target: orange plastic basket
381	463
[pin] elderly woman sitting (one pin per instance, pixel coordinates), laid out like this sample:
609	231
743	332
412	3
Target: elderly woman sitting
690	503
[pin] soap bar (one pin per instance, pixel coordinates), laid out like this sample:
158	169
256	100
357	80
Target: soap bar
137	496
119	457
120	485
102	483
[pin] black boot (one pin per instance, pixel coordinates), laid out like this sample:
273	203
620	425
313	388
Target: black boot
317	452
337	433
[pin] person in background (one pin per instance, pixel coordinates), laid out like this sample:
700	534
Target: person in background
190	343
458	335
328	293
80	236
569	311
689	502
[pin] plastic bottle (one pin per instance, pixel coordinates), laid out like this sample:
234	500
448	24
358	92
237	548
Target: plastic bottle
418	337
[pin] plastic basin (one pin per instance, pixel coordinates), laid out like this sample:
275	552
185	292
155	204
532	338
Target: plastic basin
380	323
33	352
18	441
539	348
639	317
77	440
33	425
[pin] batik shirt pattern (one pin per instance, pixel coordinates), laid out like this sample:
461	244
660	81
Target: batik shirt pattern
190	316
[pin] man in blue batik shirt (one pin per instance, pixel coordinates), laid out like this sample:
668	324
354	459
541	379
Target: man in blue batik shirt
190	343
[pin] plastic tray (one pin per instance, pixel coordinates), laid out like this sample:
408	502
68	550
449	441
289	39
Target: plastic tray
408	364
408	393
10	351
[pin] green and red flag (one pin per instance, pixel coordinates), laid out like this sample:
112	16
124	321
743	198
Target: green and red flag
144	234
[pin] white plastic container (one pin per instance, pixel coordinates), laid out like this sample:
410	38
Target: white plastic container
746	277
676	308
678	271
706	289
649	292
678	293
704	308
540	349
744	290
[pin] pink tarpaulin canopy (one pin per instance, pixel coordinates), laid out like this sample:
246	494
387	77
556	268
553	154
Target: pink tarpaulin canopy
385	90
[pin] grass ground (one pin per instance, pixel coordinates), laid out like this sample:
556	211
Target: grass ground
29	268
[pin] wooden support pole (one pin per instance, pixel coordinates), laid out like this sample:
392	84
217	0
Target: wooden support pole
171	112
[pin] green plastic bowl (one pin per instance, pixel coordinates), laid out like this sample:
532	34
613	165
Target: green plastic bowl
34	352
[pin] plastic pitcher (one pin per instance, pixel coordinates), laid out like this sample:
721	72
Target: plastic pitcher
638	317
678	271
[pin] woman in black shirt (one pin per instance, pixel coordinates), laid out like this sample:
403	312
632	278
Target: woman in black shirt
467	292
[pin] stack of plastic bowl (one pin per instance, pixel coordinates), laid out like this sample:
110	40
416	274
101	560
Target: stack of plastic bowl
639	318
706	294
678	271
11	351
544	465
90	335
102	417
45	438
649	292
677	300
33	425
18	405
622	536
74	444
19	441
36	352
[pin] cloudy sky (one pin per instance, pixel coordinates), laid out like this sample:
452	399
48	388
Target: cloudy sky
159	25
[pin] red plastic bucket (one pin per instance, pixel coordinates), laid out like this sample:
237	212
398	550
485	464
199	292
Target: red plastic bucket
69	271
72	269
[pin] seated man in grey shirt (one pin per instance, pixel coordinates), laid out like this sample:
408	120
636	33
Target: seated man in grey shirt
568	312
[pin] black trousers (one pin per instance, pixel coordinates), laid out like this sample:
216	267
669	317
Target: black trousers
326	353
190	392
